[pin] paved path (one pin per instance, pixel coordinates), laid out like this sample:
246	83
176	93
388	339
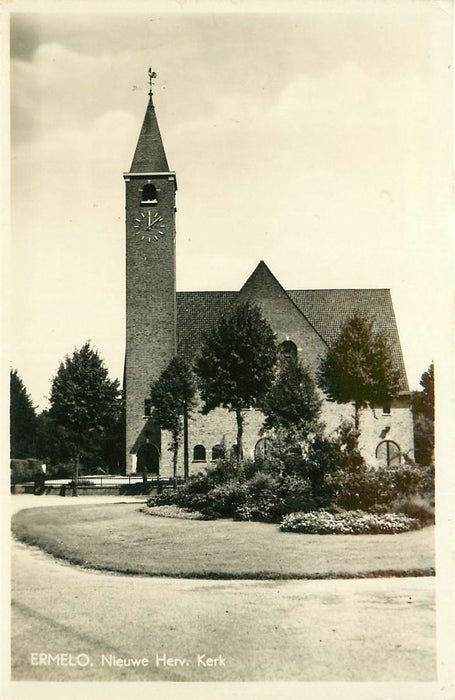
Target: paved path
342	630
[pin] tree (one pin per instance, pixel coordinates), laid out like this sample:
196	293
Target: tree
292	403
359	368
114	443
22	419
85	402
52	441
424	400
423	409
236	364
173	397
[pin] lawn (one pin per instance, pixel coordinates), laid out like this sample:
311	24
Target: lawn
120	538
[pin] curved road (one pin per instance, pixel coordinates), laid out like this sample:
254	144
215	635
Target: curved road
91	626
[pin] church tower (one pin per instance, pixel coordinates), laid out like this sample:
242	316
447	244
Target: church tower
150	288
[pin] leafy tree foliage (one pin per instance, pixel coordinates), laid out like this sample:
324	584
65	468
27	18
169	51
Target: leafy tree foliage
53	443
358	367
423	407
86	403
236	364
292	403
424	399
114	443
22	419
173	397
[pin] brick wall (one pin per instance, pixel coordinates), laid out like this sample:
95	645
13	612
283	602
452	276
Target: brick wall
150	301
283	316
220	427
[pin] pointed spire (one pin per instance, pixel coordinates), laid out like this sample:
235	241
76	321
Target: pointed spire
150	156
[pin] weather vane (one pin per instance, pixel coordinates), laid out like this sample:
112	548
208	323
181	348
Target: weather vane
152	75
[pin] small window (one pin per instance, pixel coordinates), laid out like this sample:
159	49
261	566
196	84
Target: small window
386	409
199	453
288	352
217	452
149	194
148	407
389	453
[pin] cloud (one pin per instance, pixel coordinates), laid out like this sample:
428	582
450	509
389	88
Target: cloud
61	88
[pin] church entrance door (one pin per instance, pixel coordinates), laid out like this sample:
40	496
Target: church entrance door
148	459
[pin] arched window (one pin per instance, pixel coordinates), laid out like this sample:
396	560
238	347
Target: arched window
217	452
288	351
389	453
262	448
199	453
149	194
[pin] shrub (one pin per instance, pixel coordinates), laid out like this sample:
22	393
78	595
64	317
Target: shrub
321	463
24	469
261	499
416	506
261	483
426	486
262	465
349	523
369	487
224	499
270	498
263	509
296	495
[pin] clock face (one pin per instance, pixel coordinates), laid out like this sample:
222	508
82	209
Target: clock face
149	226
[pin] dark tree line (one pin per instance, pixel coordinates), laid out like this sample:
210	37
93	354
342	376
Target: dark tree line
423	408
84	425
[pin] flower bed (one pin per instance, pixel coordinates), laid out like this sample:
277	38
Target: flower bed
353	522
173	511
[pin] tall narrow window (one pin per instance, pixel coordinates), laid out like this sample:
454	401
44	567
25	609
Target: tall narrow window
288	352
149	194
199	453
147	407
389	453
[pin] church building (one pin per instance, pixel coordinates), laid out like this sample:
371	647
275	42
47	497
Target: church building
161	322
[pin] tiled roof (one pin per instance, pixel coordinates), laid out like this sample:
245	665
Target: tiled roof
326	309
329	309
197	312
149	156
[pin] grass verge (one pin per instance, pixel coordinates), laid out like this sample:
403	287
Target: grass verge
119	538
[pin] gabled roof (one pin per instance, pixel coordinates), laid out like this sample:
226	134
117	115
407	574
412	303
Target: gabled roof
329	309
325	309
197	312
149	156
262	278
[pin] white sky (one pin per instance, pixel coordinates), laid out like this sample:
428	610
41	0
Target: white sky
319	142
